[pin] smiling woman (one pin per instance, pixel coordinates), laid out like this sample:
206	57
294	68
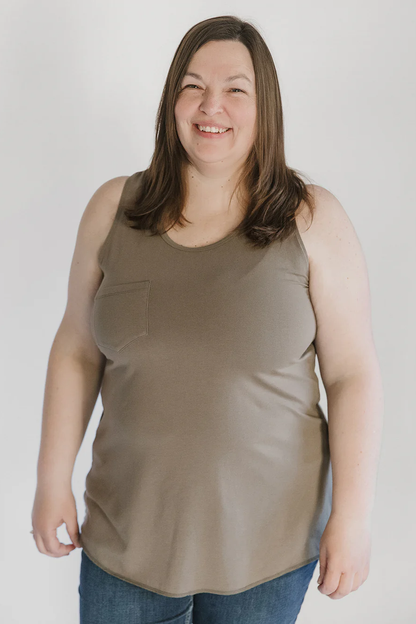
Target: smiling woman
209	497
222	77
211	468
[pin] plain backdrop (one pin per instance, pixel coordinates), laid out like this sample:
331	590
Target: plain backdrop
80	84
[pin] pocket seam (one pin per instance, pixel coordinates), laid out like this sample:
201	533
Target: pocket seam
115	290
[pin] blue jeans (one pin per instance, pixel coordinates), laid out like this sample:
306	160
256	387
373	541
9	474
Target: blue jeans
106	599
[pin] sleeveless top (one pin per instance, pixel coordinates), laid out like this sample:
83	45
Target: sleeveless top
210	464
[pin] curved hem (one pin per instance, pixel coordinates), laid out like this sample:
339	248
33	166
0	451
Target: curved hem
200	591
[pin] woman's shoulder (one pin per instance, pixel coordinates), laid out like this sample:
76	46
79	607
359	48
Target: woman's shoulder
329	218
102	207
99	214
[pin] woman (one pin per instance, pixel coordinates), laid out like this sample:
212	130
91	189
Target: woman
211	290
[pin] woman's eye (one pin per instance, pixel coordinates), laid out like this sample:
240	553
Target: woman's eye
233	88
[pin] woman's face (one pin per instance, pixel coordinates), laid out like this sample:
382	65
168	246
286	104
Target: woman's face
210	98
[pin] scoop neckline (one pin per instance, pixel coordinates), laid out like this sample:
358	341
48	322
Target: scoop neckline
217	243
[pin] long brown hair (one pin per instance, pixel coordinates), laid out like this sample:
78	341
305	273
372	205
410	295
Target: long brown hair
271	191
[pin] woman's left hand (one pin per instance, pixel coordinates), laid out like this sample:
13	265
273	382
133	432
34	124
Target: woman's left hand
344	556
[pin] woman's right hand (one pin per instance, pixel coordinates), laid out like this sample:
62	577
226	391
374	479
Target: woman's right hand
52	507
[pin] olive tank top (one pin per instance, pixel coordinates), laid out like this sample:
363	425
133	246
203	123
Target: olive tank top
210	464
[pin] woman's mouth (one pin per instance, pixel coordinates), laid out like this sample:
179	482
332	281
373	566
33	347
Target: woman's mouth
210	134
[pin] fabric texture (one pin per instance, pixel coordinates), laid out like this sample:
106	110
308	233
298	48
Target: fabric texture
210	464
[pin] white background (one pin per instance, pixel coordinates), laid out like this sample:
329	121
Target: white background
80	84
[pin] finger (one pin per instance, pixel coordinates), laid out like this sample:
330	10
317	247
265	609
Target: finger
358	581
55	548
40	544
330	582
344	586
73	532
322	568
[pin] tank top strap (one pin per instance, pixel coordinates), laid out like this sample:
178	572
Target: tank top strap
120	226
128	195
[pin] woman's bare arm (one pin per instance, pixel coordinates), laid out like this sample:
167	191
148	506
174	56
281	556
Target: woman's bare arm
348	362
75	368
76	364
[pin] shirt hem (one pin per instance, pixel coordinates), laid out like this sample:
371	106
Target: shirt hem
198	591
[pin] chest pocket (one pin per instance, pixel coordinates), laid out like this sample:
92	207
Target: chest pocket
120	314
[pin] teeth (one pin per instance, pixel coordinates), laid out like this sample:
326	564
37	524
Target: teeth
213	129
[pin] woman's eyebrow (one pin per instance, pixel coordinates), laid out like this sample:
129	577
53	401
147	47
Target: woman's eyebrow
229	79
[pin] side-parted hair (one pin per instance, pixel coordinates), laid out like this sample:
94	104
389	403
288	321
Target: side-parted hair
269	189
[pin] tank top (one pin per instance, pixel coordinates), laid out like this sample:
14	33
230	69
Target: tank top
210	464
